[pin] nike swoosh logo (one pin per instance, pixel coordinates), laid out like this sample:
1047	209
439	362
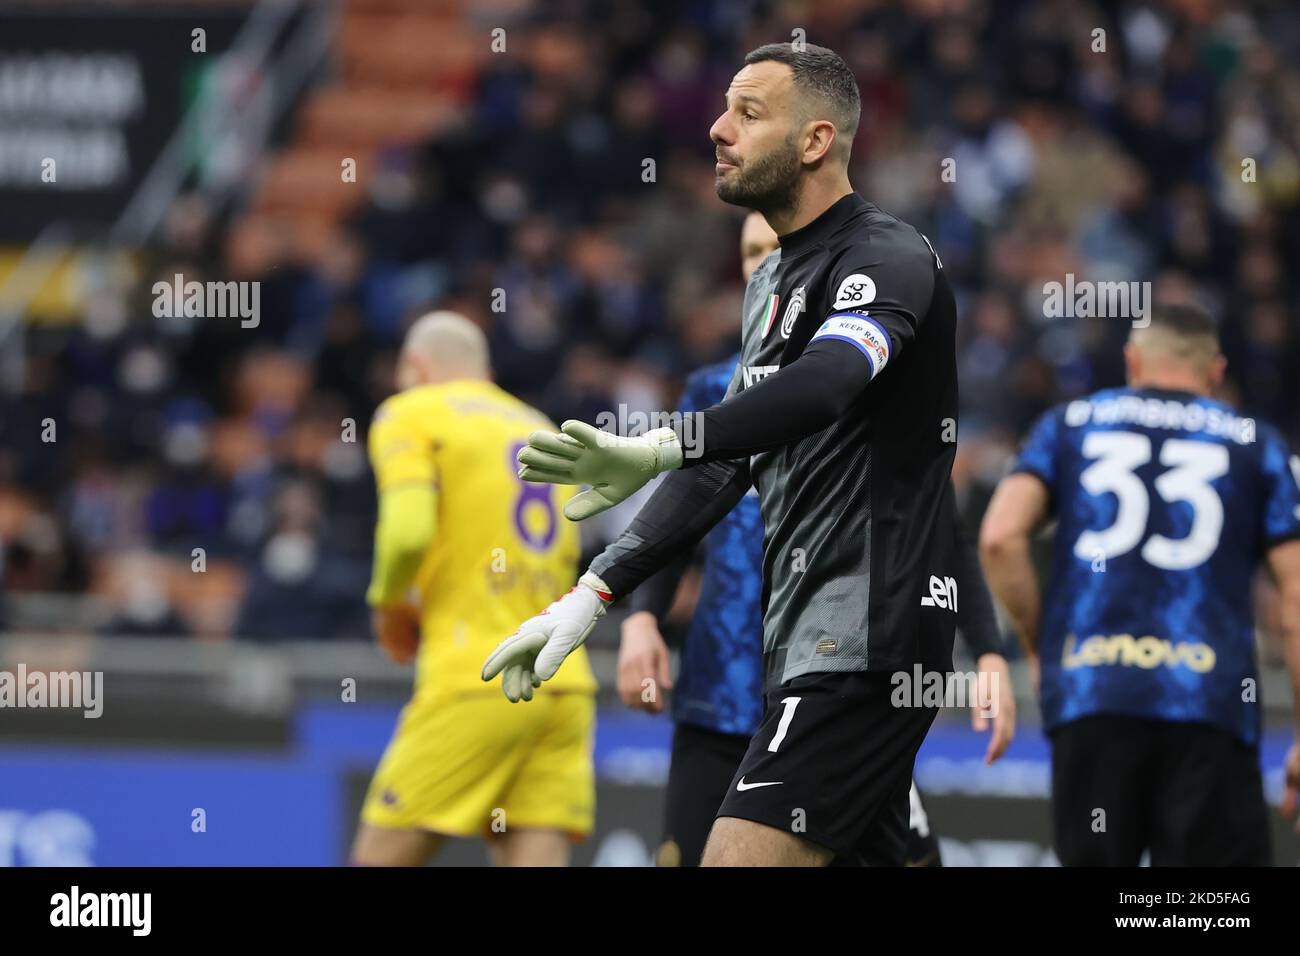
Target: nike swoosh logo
742	786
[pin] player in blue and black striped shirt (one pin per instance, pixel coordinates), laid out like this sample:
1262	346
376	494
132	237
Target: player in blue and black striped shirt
1166	502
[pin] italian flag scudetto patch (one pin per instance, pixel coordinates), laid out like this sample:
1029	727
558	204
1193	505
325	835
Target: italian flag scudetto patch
770	314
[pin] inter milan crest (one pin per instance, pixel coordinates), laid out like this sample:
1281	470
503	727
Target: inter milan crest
792	312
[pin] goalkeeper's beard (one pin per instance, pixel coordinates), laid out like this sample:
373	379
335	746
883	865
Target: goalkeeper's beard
765	184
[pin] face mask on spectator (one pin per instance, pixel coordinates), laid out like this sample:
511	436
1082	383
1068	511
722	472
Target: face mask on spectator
290	557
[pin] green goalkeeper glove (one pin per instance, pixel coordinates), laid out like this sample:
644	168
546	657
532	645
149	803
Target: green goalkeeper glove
535	651
616	468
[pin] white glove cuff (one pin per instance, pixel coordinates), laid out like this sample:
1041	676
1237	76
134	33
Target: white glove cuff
593	581
668	445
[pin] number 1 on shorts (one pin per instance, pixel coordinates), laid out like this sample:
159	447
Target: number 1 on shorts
790	703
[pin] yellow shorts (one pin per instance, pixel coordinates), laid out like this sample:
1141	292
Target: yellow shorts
473	765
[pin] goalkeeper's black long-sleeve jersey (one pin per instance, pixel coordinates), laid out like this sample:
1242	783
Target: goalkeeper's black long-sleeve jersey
842	412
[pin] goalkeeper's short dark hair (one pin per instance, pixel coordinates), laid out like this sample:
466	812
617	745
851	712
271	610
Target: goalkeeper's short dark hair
823	80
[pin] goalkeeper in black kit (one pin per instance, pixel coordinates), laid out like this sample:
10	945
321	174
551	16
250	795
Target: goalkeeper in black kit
840	413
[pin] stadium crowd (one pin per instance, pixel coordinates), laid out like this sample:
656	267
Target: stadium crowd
1001	130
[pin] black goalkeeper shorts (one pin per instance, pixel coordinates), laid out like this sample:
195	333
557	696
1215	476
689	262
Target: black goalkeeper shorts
832	763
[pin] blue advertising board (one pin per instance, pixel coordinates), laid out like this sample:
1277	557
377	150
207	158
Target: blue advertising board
147	806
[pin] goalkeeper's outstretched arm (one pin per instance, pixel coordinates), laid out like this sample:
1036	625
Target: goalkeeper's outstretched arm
802	399
685	506
682	509
799	400
711	473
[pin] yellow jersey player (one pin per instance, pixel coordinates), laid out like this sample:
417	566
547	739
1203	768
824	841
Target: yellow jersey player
479	550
